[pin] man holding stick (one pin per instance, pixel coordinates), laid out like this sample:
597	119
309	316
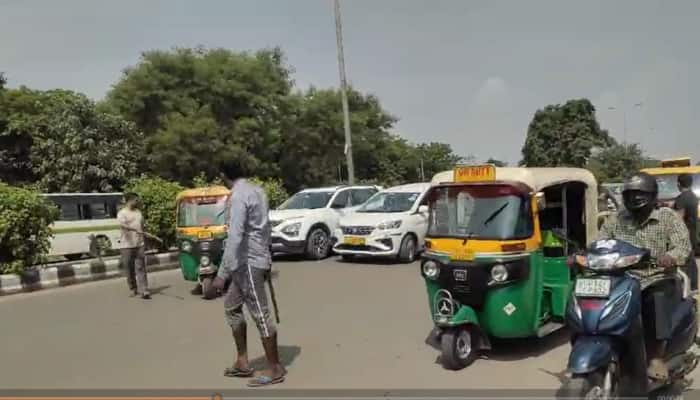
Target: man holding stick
133	255
247	261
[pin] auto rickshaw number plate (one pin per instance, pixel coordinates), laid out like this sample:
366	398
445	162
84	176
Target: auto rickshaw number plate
354	241
592	287
204	235
460	275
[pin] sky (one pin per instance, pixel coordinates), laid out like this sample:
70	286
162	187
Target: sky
467	72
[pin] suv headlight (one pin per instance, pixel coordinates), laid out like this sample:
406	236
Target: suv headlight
186	246
389	225
292	229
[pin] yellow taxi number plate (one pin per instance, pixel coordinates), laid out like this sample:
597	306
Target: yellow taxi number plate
354	241
204	235
475	173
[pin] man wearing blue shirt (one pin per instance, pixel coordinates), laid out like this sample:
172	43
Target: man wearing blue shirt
247	261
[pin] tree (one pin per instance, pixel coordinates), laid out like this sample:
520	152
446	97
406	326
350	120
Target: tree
3	81
563	135
497	163
438	157
616	162
198	106
58	141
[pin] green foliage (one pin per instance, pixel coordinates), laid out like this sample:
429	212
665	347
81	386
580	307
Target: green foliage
158	206
198	106
616	162
59	141
202	180
497	163
563	135
25	219
274	190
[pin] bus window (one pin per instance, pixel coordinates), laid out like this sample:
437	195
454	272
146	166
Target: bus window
98	211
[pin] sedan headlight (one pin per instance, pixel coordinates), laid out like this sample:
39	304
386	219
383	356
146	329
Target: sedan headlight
431	270
292	229
204	261
186	246
499	273
389	225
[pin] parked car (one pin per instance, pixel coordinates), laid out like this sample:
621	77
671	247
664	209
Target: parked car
392	223
303	224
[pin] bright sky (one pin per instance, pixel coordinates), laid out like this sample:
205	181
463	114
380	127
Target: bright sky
467	72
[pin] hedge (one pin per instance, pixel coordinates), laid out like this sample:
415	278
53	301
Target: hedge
158	206
25	234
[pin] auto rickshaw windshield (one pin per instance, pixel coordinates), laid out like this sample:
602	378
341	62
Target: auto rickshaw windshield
198	211
490	212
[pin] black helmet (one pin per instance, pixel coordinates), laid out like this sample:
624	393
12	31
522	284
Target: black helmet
640	192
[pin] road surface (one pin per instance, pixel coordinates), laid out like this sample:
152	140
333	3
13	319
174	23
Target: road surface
344	325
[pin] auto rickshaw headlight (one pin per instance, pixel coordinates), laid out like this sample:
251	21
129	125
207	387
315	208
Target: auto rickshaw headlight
499	273
431	270
186	246
205	261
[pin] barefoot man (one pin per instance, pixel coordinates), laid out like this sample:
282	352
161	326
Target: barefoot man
246	261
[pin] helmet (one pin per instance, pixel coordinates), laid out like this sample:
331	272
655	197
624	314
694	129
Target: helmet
640	192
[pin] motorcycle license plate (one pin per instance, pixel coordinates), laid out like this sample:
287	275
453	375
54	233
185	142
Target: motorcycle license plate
592	287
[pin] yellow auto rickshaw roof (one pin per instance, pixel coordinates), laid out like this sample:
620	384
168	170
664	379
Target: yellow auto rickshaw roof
204	191
535	178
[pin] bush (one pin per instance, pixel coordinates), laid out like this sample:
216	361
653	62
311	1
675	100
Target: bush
158	206
276	194
25	220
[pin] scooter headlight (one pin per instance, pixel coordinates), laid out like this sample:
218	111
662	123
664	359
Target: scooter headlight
499	273
186	246
603	261
204	261
431	270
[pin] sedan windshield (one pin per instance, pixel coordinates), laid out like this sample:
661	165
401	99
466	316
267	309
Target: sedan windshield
306	201
389	202
668	186
496	212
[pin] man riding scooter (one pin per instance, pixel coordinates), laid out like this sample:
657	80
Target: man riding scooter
663	233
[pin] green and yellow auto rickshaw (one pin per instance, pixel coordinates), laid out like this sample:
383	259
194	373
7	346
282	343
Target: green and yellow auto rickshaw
492	267
202	215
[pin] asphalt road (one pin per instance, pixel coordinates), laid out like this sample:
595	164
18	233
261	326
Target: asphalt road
343	326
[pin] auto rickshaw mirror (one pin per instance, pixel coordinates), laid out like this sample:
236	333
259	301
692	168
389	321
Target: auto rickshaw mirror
541	202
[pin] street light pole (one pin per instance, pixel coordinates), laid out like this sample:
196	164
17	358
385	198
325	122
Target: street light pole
343	93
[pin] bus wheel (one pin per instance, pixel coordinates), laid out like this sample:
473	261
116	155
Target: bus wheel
101	247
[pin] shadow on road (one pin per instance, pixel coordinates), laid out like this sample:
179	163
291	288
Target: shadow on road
519	349
287	356
158	289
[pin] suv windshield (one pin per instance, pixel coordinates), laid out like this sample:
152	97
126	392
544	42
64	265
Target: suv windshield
205	211
496	212
306	201
668	185
388	202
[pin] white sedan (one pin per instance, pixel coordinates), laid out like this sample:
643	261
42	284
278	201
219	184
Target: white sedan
392	223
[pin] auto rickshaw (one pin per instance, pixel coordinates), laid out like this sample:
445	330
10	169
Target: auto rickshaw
493	267
201	232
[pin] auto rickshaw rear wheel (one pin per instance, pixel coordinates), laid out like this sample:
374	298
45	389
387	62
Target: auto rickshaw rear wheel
209	292
458	348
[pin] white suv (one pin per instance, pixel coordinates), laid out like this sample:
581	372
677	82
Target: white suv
304	223
393	223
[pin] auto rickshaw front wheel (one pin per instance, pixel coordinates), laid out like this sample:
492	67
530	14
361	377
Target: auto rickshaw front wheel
458	348
209	292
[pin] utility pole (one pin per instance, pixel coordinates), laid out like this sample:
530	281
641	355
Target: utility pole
343	93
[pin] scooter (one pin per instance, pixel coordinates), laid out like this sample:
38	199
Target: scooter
608	355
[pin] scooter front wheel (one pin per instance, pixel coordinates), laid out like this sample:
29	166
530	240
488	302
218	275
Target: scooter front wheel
598	385
458	348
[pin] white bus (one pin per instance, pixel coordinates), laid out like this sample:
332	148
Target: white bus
87	224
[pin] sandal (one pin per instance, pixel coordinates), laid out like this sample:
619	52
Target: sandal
263	380
235	372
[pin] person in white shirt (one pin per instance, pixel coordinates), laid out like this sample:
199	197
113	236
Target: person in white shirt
133	257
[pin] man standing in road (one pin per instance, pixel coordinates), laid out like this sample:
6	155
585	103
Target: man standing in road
133	258
247	261
687	206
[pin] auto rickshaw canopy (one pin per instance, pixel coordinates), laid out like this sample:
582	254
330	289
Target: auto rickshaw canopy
537	179
208	191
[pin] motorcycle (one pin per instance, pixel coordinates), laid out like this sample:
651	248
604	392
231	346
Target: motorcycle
608	352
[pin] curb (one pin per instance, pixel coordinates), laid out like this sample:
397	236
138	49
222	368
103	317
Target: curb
64	275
